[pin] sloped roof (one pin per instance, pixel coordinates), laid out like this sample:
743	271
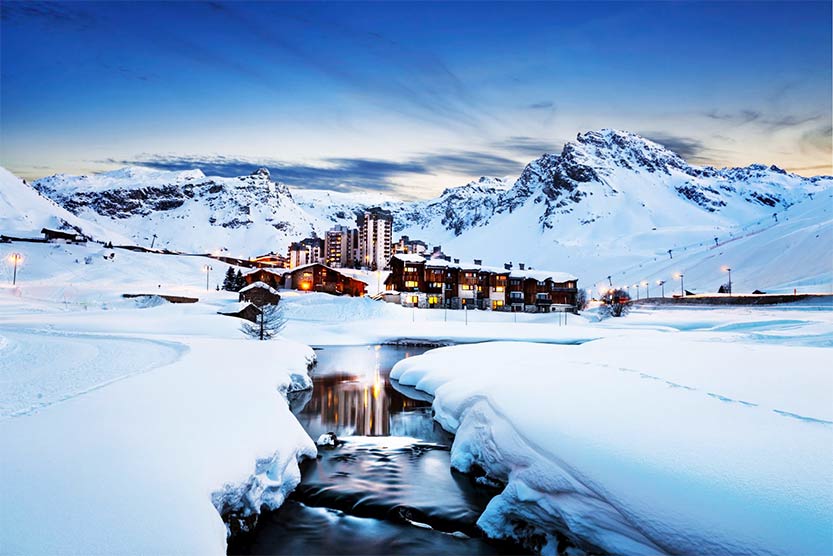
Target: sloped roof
261	285
275	271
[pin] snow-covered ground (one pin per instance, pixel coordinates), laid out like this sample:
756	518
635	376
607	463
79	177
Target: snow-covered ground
128	429
682	429
691	435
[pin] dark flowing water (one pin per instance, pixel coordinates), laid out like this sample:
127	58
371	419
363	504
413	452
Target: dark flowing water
388	487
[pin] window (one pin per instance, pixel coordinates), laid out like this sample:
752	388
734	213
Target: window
466	286
497	303
515	296
500	289
543	296
433	300
437	285
410	269
411	284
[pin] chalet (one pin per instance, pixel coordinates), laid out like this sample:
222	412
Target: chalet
242	310
270	276
321	278
260	294
272	259
52	235
440	283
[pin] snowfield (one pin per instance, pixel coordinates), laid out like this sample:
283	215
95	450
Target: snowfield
130	425
663	443
128	428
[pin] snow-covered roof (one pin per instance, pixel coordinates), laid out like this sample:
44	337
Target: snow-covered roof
409	257
261	285
542	275
236	307
275	271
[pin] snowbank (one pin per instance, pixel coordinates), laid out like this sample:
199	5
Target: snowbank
658	444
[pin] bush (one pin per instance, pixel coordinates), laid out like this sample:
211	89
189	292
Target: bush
616	303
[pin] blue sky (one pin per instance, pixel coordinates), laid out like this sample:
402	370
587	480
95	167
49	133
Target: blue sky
406	98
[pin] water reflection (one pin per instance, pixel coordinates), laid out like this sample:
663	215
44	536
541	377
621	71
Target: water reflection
353	396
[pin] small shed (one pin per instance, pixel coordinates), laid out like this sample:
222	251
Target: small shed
260	294
246	311
51	235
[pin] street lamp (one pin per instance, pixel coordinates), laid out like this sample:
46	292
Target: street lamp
682	288
729	270
647	289
661	284
207	269
637	289
15	258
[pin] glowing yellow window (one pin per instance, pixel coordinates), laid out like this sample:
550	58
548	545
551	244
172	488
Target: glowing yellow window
411	284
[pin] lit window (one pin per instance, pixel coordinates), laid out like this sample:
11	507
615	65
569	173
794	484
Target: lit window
414	299
500	289
466	286
411	284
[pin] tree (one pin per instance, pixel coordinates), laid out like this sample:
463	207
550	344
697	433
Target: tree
229	280
581	300
239	281
617	303
268	323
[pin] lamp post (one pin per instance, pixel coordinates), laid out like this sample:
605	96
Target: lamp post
637	290
661	284
15	258
729	270
682	288
647	289
207	269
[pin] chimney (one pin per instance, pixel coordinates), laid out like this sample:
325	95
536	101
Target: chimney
507	266
521	266
456	261
438	249
478	262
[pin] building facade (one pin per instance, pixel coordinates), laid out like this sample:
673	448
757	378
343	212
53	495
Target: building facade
306	251
321	278
341	246
375	238
439	283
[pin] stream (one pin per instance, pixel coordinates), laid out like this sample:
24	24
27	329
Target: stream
388	486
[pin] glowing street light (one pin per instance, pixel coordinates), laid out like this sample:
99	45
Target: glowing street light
647	289
207	269
682	289
661	284
15	258
637	289
729	270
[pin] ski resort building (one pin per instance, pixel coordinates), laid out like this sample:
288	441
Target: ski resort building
321	278
375	233
271	277
341	247
306	251
437	283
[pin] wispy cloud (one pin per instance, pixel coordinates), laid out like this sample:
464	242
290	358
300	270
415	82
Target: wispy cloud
757	117
689	148
339	174
526	146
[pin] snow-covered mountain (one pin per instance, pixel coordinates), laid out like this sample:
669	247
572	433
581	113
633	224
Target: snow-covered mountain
187	210
609	201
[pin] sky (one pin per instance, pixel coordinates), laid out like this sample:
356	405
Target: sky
406	98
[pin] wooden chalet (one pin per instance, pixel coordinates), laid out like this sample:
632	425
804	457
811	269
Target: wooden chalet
52	235
260	294
272	277
440	283
243	310
321	278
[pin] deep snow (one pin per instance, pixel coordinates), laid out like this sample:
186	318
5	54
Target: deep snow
662	442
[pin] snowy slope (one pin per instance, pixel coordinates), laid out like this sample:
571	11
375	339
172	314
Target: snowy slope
23	212
188	211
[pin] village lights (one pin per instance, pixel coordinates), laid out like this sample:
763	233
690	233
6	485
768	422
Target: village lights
682	288
207	269
729	270
15	258
661	284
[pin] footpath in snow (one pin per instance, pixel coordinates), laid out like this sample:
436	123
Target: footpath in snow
663	443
